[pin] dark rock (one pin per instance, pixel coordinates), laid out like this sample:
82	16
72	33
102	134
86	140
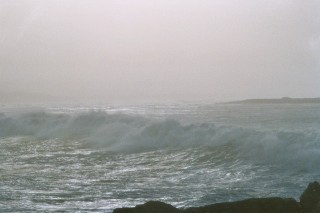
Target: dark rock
258	205
309	203
255	205
310	198
149	207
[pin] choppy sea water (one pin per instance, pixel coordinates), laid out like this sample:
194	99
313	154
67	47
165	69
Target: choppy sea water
95	159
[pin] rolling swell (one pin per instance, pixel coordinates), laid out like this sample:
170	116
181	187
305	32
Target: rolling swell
124	133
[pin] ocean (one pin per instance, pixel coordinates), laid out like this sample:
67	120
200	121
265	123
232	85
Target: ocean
98	158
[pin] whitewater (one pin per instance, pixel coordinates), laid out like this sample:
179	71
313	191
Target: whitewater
98	158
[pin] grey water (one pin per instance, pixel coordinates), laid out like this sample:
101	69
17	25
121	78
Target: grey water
98	158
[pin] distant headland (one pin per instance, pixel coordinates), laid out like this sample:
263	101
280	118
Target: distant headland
284	100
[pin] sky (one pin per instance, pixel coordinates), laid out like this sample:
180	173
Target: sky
159	50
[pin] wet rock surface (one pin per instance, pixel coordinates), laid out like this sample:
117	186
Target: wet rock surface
151	206
255	205
309	203
310	198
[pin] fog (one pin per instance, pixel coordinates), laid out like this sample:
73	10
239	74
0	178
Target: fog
158	50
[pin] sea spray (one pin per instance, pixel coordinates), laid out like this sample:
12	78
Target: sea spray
126	133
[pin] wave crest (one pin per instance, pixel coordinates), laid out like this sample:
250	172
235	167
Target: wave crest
120	132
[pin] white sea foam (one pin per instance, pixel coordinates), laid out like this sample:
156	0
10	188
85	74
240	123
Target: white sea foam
126	133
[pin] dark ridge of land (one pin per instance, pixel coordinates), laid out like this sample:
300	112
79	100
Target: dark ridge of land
285	100
309	203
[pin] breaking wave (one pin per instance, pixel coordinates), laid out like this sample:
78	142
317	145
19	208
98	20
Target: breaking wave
124	133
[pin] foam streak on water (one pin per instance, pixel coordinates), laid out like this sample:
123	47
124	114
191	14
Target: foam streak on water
80	159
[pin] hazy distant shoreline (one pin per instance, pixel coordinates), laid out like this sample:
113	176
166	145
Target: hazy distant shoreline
285	100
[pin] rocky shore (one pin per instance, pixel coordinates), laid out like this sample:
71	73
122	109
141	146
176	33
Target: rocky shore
309	203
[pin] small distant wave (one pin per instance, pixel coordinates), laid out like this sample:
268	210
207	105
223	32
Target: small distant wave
126	133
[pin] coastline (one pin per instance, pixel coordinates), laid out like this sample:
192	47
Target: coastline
284	100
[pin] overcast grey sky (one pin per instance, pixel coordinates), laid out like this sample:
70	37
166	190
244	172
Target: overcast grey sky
132	50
